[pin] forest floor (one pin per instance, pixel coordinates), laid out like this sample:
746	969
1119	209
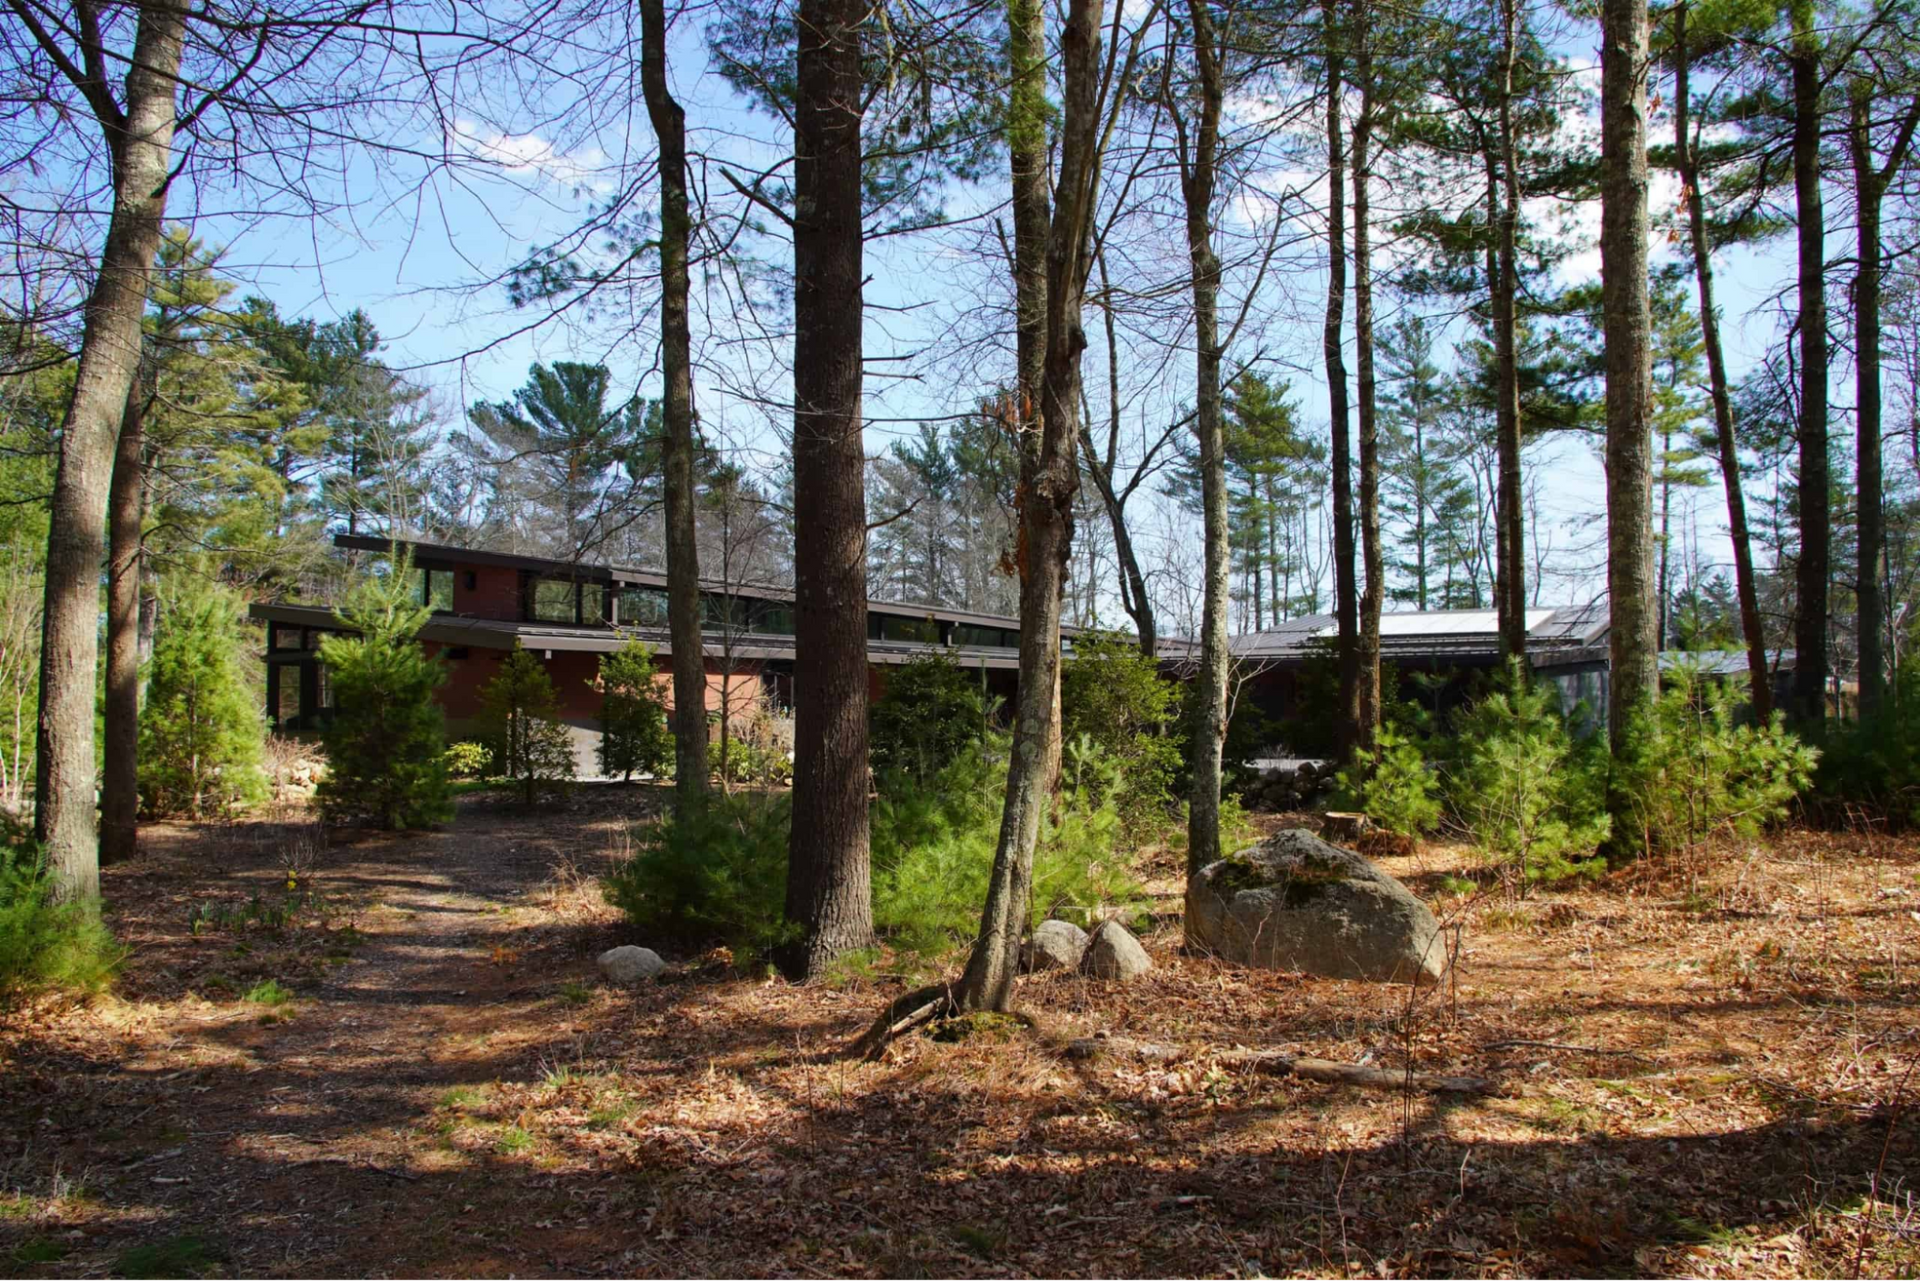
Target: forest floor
408	1064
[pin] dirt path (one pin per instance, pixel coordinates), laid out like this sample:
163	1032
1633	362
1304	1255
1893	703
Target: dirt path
252	1137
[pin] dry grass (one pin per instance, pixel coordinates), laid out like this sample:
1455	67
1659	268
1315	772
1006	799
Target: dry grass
1719	1085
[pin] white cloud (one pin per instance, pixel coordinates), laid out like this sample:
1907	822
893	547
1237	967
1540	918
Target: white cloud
528	155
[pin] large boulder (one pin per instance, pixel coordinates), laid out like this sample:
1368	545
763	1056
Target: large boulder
1055	945
628	965
1114	953
1294	902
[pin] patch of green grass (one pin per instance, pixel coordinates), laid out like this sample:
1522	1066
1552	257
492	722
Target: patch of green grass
513	1140
182	1256
16	1206
39	1250
463	1098
608	1115
269	993
1458	886
574	992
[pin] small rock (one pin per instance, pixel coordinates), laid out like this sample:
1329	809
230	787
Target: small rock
626	965
1114	953
1055	945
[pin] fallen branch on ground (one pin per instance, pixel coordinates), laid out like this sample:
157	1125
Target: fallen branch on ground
1562	1045
1279	1063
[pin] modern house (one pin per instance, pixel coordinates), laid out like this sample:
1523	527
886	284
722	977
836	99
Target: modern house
1437	655
567	614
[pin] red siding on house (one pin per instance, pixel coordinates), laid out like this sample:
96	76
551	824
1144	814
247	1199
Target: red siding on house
572	673
495	592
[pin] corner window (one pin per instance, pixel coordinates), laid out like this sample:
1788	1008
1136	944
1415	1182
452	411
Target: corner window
436	589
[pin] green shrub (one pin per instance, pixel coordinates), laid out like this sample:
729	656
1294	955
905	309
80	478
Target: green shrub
200	728
1691	772
712	871
931	711
739	760
717	871
933	848
387	741
1391	785
1114	696
47	945
633	715
468	758
521	715
1870	768
1525	791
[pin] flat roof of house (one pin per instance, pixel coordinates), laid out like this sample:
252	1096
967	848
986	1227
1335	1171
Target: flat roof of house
493	633
635	576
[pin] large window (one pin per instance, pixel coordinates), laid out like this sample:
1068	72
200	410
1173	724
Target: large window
643	607
553	600
892	627
985	637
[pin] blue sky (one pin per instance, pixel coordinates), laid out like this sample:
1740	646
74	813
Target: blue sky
417	268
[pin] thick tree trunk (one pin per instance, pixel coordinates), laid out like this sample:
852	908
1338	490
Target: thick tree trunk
1628	324
1759	678
1374	592
1870	184
1510	539
1815	514
1198	170
140	142
126	527
676	412
1345	595
1046	507
829	890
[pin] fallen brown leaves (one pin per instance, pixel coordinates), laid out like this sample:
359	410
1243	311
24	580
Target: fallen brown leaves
1698	1072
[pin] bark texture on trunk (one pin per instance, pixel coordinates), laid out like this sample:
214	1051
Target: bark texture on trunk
1510	524
829	881
1815	505
126	527
1198	164
1628	329
1046	506
1346	606
676	411
1746	587
1373	592
140	144
1870	183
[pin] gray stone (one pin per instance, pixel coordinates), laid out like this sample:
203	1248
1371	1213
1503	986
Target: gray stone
631	964
1114	953
1294	902
1055	945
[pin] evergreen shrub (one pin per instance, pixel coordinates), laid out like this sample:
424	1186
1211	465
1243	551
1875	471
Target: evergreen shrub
520	712
47	945
931	711
387	741
633	715
1693	772
201	729
717	871
1528	794
1392	785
